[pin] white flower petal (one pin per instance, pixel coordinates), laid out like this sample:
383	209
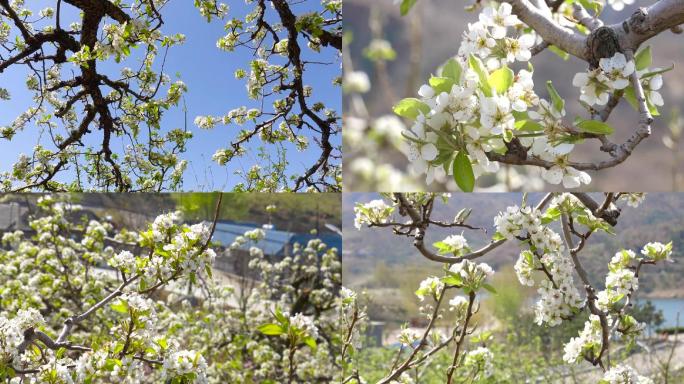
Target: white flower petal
429	152
554	175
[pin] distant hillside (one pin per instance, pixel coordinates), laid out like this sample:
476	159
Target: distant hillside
659	218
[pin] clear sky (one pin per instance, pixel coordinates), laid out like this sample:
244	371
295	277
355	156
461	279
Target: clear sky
212	90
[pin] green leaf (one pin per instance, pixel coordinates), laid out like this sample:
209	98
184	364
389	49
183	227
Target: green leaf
452	69
454	280
422	291
558	101
441	84
529	257
406	6
476	65
561	53
279	316
652	108
271	329
498	237
310	341
658	72
643	59
631	99
551	215
118	347
481	338
120	306
410	108
528	125
592	5
442	247
596	127
463	172
489	288
501	79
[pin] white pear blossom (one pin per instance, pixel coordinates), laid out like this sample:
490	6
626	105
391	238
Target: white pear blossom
356	82
622	374
480	360
519	49
496	114
657	251
472	274
477	40
651	87
561	172
499	19
372	212
305	324
429	287
622	281
611	75
456	242
618	69
595	86
589	339
458	304
181	363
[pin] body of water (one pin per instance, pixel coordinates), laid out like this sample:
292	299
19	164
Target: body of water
670	308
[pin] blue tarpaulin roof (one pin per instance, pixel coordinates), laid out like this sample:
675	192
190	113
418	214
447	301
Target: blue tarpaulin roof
272	244
275	241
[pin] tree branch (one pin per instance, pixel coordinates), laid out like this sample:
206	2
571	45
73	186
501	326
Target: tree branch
645	23
563	38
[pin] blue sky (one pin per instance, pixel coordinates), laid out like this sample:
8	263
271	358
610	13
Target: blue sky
212	90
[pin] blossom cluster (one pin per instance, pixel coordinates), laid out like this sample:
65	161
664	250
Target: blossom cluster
559	297
350	311
459	305
622	280
470	274
304	324
179	249
376	211
588	343
185	366
12	333
598	84
614	74
65	269
480	361
430	286
453	244
478	104
622	374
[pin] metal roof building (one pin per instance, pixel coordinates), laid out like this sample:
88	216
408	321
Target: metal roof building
275	242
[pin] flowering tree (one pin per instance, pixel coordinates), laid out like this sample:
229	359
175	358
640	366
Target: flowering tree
276	76
548	259
83	302
481	110
102	74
